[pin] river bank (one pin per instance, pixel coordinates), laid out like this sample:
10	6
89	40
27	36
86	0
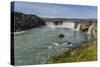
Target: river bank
86	52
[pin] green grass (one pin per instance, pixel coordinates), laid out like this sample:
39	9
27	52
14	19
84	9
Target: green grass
87	52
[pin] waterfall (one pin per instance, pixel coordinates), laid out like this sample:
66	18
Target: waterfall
68	24
50	25
78	27
65	24
59	25
89	29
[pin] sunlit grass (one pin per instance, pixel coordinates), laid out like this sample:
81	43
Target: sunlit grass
87	52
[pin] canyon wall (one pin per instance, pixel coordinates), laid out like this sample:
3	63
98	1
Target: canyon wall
23	21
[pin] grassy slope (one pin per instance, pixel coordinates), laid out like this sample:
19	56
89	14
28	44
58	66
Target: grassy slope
87	52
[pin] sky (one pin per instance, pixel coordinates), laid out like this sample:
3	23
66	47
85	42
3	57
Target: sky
48	10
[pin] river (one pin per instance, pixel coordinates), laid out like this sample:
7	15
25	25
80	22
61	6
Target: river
35	46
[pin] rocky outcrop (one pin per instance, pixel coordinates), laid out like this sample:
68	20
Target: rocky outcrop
61	35
26	21
85	27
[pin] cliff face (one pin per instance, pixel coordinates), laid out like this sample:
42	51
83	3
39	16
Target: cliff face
26	21
85	27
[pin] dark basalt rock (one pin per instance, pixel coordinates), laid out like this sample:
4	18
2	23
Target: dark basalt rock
58	22
69	43
85	30
25	21
61	35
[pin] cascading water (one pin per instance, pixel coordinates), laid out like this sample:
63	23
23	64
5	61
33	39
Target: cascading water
90	29
50	25
78	27
65	24
68	24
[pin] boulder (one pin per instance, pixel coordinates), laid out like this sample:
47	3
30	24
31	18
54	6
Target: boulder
61	35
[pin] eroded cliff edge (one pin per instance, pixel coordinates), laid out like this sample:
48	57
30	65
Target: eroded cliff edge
25	21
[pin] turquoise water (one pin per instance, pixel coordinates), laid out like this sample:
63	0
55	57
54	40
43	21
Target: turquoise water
35	46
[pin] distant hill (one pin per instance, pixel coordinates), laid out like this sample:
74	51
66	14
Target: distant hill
70	19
